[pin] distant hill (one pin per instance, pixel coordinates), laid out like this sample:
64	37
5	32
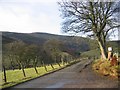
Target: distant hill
73	43
6	40
27	38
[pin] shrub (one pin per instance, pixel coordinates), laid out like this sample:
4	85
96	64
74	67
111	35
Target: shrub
105	68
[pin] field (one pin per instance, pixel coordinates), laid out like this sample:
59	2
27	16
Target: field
91	53
16	76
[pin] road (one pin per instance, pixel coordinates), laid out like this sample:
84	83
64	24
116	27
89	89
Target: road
75	76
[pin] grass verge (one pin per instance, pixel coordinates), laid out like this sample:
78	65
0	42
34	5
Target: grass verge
16	77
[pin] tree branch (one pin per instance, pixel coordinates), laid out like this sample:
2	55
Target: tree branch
110	29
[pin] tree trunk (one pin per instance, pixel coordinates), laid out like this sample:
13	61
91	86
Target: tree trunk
23	72
22	67
102	49
62	61
19	66
11	62
35	65
52	66
44	66
57	60
58	64
4	70
36	70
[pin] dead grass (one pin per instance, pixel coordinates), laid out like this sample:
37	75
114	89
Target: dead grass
105	68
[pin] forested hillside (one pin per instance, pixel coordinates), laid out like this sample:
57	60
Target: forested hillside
48	48
72	44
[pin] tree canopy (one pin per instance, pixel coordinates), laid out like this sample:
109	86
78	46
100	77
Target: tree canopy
95	19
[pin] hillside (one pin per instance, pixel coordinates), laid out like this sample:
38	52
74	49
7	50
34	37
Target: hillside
76	44
22	37
71	43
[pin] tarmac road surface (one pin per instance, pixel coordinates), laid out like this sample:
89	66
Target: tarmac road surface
76	76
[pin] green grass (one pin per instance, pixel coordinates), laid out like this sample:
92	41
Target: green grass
16	76
91	53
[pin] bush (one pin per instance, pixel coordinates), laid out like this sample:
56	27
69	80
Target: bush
105	68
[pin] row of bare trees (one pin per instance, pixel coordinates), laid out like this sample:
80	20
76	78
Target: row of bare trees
19	55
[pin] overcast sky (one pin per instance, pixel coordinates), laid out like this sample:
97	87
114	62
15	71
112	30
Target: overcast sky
29	16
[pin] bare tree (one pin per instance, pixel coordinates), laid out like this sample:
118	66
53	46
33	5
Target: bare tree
17	49
95	19
33	53
53	48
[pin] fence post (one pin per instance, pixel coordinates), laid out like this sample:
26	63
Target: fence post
4	71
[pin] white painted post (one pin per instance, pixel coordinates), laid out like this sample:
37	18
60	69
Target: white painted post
109	52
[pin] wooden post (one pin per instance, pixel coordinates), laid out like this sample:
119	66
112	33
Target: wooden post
4	71
109	52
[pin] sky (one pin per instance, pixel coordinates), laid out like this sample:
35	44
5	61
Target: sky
30	16
27	16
